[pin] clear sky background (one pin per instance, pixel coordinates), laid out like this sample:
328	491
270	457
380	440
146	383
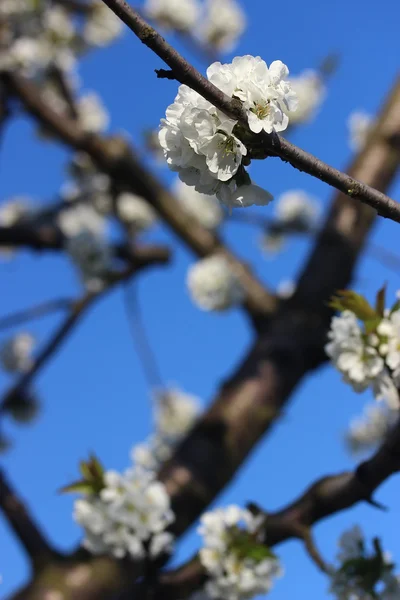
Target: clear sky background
94	395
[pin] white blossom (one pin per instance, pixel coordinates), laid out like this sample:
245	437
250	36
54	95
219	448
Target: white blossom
367	360
16	353
359	124
297	210
352	579
80	217
181	15
129	515
92	113
205	209
234	575
370	429
175	413
223	24
92	256
286	288
310	91
102	25
135	212
199	141
213	284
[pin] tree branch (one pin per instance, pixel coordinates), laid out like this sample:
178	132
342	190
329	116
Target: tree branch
144	257
35	312
22	524
119	161
275	144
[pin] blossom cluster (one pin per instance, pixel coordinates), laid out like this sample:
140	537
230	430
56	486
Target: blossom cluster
371	428
14	211
127	515
175	414
213	284
16	353
205	209
200	142
310	91
238	565
360	124
217	24
40	35
364	345
363	574
295	212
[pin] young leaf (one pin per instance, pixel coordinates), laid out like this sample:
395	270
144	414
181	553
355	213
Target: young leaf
79	487
349	300
381	301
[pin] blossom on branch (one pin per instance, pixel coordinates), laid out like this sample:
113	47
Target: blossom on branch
360	124
365	345
223	24
204	208
175	413
363	574
123	515
135	212
213	284
310	91
238	565
371	428
15	211
200	142
16	353
92	256
181	15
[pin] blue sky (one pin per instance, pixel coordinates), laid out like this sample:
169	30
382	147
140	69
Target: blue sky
93	393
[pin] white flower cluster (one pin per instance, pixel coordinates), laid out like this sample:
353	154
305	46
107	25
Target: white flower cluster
371	428
175	414
310	91
354	580
37	35
128	517
135	212
295	212
214	285
199	141
224	22
92	256
360	124
102	25
16	353
368	359
205	209
218	24
235	561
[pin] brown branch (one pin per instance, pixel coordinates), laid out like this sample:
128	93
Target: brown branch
115	158
275	144
35	312
23	525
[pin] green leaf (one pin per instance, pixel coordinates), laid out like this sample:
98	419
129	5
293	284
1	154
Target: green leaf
371	325
349	300
381	301
396	306
80	487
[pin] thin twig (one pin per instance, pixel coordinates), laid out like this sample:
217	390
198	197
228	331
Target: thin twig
22	524
273	143
35	312
140	338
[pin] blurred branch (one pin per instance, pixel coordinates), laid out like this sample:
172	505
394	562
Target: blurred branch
119	161
274	144
144	257
35	312
22	524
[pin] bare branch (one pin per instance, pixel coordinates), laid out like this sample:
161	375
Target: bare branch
22	524
35	312
274	144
